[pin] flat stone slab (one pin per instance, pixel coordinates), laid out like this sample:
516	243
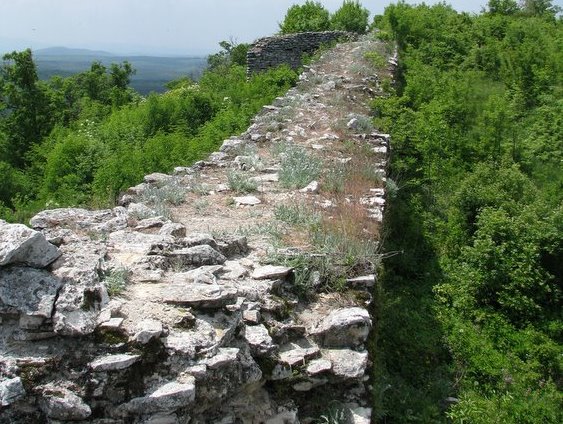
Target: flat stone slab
197	256
147	330
347	363
113	362
318	366
247	200
199	295
224	357
258	339
168	397
22	245
28	291
298	352
270	272
363	281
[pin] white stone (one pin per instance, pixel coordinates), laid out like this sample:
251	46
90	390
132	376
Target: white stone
225	356
297	352
259	339
22	245
59	403
312	187
271	272
113	362
147	330
363	281
247	200
343	327
347	363
318	366
252	317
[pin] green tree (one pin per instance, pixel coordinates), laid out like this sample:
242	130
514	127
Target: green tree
26	118
311	16
351	16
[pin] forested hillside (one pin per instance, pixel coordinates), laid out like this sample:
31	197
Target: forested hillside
80	140
471	321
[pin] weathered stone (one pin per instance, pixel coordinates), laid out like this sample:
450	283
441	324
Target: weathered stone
297	352
318	366
199	295
259	339
157	178
113	362
101	221
225	356
247	200
312	187
11	390
168	397
232	245
173	229
234	270
359	415
147	330
252	317
22	245
197	256
347	363
203	275
83	295
271	272
363	281
232	144
59	403
150	223
111	324
270	52
28	291
343	327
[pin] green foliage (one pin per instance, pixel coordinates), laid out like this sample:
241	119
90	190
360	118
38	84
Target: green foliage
476	153
101	137
232	54
311	16
351	16
240	182
298	168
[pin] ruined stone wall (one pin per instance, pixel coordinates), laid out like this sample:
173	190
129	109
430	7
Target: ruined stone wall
270	52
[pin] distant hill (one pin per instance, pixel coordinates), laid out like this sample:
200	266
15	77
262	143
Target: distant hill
65	51
152	73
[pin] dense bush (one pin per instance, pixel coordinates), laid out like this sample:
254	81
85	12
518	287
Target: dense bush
105	138
351	16
476	125
311	16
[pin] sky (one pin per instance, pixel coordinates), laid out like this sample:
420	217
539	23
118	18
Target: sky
165	27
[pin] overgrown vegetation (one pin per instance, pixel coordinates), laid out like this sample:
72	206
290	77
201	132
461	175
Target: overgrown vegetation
471	310
83	139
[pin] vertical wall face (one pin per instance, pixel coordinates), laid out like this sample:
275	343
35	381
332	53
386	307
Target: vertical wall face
271	52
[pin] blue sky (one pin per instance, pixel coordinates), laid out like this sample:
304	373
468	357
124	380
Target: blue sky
153	26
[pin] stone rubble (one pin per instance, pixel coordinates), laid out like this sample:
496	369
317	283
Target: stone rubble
200	326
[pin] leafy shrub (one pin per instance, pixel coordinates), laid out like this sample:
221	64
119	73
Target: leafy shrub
351	16
240	182
311	16
298	168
